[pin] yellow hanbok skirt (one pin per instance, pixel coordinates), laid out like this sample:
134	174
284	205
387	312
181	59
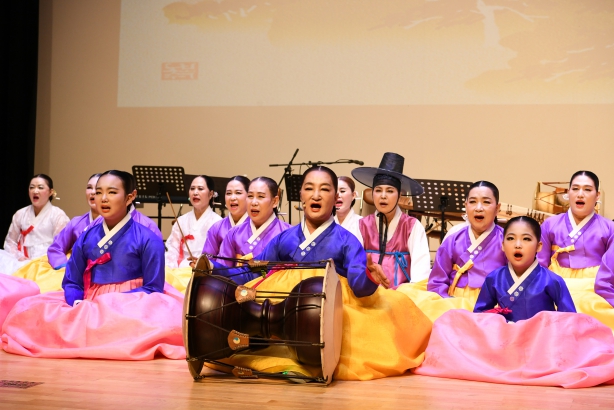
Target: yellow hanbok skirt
434	305
384	334
581	285
40	271
178	277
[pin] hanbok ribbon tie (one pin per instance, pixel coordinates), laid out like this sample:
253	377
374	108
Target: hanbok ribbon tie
87	273
23	241
184	239
399	262
499	310
459	272
557	250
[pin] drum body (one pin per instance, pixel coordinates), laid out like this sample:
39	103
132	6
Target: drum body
311	315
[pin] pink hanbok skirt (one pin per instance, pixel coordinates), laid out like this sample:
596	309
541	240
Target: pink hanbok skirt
12	290
571	350
107	325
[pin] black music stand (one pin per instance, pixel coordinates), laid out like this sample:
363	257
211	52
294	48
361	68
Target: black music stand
287	174
153	183
441	196
219	186
293	191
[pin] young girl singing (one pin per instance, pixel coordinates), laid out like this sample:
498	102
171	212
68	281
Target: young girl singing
528	332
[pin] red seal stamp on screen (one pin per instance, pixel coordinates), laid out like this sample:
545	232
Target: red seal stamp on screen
180	71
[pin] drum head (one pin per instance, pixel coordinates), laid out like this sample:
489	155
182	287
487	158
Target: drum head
202	264
331	322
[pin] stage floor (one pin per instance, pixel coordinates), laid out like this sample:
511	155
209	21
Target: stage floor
166	384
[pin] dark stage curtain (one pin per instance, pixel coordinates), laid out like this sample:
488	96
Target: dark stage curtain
18	117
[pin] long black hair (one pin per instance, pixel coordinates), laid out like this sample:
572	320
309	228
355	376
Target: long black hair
351	185
589	174
489	185
537	230
240	178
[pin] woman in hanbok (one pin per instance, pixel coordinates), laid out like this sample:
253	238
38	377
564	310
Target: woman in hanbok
194	225
249	239
528	332
48	271
465	257
384	333
33	227
396	243
575	245
236	203
63	243
31	231
114	304
346	198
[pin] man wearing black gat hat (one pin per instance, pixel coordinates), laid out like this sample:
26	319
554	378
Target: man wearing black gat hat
399	240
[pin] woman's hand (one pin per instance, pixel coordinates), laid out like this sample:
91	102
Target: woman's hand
377	273
193	261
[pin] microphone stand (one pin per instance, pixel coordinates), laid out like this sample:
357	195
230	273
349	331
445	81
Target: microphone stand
288	173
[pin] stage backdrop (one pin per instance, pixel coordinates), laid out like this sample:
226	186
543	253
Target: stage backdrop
509	91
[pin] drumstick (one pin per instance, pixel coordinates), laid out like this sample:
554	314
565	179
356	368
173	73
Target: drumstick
179	225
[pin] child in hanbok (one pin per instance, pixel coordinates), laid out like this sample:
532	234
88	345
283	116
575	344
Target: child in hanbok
396	243
249	239
523	288
195	224
529	332
346	198
465	257
384	333
33	227
576	244
236	203
114	304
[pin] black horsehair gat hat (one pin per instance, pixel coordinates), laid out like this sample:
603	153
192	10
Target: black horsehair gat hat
391	166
